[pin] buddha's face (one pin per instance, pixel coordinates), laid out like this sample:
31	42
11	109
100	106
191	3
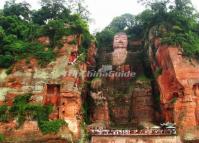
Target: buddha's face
120	41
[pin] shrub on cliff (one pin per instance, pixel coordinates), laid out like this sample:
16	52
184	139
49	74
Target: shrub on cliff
1	138
121	23
6	61
23	110
50	10
20	28
42	53
175	23
55	30
3	113
51	126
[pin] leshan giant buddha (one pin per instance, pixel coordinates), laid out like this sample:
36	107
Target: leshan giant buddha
119	54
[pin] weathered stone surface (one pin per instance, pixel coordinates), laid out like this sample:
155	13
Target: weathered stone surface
3	75
119	54
142	102
44	40
101	114
178	84
126	103
29	133
121	114
120	40
92	51
58	83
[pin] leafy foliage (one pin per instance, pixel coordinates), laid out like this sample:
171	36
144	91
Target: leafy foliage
13	25
51	126
105	38
50	10
175	24
45	55
79	7
3	113
123	22
85	137
23	110
20	28
119	24
82	58
55	30
18	108
1	138
21	10
6	61
143	77
158	72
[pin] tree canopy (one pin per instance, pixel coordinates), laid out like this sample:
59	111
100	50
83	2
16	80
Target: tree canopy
21	10
119	24
174	22
20	27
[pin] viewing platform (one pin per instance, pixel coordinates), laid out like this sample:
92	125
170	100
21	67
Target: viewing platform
127	132
134	136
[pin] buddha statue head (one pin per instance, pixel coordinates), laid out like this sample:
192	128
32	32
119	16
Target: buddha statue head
119	54
120	40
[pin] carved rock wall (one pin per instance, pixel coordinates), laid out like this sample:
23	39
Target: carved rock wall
127	101
178	83
142	103
58	83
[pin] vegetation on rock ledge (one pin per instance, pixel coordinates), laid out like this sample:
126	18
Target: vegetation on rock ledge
1	138
22	110
175	23
20	28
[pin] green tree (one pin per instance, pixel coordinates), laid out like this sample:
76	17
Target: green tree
123	22
79	7
55	29
20	28
50	10
78	25
1	12
105	38
14	25
175	25
21	10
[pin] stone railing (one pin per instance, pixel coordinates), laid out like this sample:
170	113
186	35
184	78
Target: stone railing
144	132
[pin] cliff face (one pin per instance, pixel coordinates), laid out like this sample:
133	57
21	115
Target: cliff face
179	88
142	103
59	83
123	101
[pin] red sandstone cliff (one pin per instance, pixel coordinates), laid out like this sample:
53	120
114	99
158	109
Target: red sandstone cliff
59	83
179	88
